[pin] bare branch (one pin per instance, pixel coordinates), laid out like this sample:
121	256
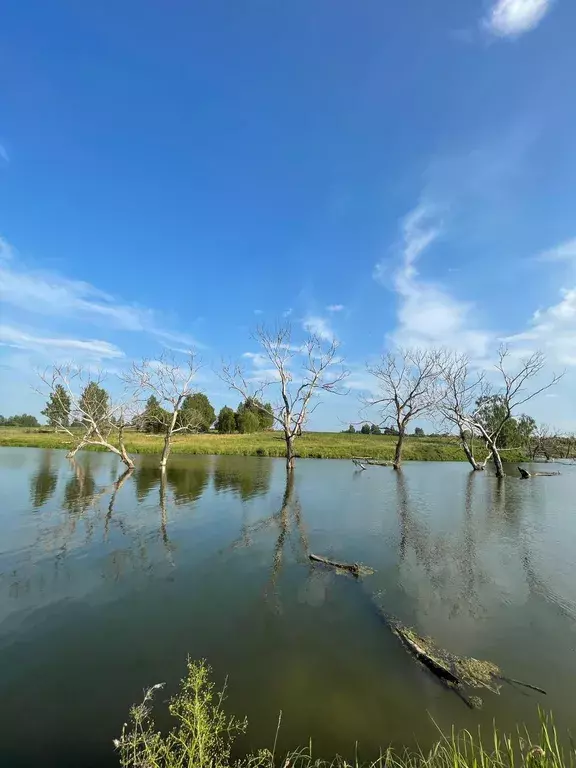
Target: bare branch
410	386
95	415
312	363
171	383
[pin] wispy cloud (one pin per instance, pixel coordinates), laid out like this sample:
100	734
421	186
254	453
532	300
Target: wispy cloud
94	349
563	252
335	307
553	330
52	294
511	18
428	315
318	326
287	312
258	311
4	154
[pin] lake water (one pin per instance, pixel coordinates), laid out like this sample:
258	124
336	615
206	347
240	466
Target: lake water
106	587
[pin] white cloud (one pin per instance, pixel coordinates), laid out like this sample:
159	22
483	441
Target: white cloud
318	326
94	349
428	315
287	312
51	294
510	18
258	360
335	307
4	154
258	311
553	330
564	252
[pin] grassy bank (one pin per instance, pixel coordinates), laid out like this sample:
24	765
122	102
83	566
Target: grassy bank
312	445
203	734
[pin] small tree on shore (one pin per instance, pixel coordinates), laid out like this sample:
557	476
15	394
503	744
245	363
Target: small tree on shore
296	392
170	383
96	418
365	430
57	410
226	422
408	380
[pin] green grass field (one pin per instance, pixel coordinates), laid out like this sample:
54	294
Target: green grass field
313	445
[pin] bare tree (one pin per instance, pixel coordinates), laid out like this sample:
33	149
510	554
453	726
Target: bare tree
295	399
463	388
408	380
96	417
468	411
171	383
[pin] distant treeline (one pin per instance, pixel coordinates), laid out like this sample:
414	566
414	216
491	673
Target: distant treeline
22	420
374	429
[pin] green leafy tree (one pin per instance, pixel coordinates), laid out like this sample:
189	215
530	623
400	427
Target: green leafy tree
154	418
247	422
57	409
375	429
419	432
365	429
351	429
262	411
197	413
94	404
226	422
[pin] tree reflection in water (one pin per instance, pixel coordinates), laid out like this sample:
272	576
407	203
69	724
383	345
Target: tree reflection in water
43	482
246	476
291	529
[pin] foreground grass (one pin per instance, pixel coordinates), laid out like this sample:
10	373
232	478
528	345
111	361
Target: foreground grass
312	445
202	737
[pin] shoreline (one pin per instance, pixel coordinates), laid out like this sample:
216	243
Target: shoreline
312	445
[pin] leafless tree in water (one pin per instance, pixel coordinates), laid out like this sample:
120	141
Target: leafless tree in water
96	418
467	392
409	384
171	383
297	374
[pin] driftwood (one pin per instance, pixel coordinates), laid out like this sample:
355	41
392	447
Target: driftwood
358	463
353	568
524	474
454	672
359	460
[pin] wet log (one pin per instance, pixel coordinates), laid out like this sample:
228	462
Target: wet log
353	568
524	474
358	463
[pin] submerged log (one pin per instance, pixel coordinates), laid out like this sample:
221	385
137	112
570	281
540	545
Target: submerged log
358	463
455	672
350	567
524	474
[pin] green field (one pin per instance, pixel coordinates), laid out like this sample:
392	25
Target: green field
312	445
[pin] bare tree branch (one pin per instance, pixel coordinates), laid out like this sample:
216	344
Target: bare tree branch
315	362
171	383
97	417
409	384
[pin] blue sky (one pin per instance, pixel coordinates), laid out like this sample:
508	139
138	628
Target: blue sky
174	173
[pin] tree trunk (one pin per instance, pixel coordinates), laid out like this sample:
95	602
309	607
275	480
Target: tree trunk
497	462
398	452
165	451
290	457
468	451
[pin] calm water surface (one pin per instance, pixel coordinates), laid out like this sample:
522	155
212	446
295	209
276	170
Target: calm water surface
108	583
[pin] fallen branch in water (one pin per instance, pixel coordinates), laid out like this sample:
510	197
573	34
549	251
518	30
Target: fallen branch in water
350	567
455	672
524	474
356	569
358	463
